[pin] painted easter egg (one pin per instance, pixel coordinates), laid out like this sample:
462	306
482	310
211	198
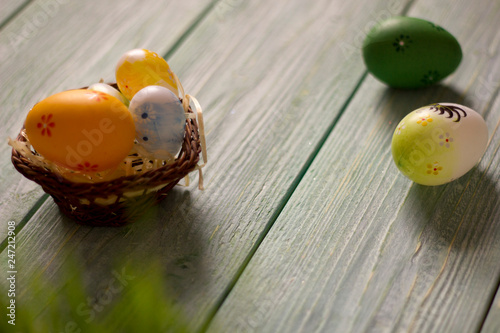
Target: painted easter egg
106	88
81	129
438	143
140	68
407	52
159	121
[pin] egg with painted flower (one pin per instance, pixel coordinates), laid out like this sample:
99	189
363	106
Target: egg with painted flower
407	52
159	120
439	143
106	88
82	130
140	68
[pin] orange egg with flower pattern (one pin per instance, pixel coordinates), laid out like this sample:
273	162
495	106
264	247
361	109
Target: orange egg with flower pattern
81	129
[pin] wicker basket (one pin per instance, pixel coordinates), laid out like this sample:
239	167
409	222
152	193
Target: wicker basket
118	201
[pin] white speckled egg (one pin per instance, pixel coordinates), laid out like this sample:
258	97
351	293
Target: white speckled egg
438	143
159	121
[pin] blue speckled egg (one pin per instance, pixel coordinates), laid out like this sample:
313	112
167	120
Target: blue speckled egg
159	121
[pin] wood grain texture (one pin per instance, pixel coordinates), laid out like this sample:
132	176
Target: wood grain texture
358	247
10	9
65	45
270	91
492	323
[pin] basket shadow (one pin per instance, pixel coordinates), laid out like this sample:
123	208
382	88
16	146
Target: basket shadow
166	236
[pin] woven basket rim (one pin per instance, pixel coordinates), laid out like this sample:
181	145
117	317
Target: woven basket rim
101	183
186	161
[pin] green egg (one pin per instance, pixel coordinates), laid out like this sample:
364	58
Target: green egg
407	52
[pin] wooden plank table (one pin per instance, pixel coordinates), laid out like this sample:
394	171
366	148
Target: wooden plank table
305	224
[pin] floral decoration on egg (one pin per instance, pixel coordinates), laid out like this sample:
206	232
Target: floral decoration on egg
82	130
408	52
438	143
139	68
159	121
107	89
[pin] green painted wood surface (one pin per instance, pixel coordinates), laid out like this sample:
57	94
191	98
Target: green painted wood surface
260	89
9	9
41	54
358	247
492	323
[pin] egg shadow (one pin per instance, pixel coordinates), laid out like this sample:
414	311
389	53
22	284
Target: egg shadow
461	213
403	101
447	213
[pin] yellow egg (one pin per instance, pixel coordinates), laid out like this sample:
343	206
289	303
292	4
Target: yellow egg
140	68
81	129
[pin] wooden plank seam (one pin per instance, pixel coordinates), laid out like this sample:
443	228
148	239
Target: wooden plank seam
12	15
191	28
280	208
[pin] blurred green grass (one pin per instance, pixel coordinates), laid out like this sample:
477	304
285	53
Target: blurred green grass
131	301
